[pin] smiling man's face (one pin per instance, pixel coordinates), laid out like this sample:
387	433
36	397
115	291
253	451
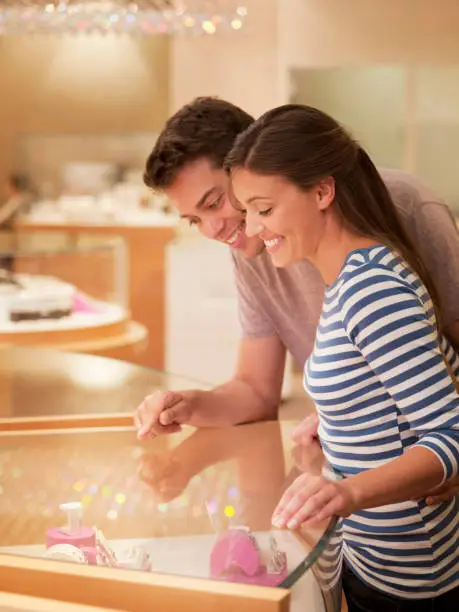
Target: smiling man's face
202	195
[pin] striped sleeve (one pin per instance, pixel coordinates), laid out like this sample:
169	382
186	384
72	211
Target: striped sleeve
392	327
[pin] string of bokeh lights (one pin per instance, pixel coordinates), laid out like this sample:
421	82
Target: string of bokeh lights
116	18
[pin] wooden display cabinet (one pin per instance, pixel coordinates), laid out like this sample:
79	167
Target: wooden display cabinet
170	497
67	588
146	247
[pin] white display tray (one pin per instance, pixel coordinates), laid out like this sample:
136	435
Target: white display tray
112	313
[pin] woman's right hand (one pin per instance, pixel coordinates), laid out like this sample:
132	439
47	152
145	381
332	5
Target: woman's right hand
306	432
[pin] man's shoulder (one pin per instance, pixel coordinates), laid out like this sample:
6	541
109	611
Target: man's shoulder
259	271
419	206
409	192
260	265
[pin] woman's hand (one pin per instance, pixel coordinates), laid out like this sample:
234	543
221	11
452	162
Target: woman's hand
311	500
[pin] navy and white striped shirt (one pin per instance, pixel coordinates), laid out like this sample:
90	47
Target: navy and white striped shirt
379	381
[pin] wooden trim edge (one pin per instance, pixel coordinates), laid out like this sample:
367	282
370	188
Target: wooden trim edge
74	421
133	591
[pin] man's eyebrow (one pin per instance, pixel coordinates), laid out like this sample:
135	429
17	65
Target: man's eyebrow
203	198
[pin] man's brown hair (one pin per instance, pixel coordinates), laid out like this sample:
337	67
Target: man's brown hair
204	129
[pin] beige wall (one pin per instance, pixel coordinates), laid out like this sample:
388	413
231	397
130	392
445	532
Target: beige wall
122	84
337	32
252	68
406	117
244	67
80	85
370	101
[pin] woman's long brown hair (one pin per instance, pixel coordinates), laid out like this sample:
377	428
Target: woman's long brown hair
305	145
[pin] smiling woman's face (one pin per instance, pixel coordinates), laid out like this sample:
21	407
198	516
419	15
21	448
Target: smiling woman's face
290	221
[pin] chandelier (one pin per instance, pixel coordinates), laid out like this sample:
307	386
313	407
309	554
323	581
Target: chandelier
142	17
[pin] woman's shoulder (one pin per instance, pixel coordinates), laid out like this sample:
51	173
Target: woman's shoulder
376	273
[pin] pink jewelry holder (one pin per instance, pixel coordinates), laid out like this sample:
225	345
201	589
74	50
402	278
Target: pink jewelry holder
236	557
73	533
80	544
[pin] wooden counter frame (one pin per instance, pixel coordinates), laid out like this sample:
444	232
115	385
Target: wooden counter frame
10	602
130	591
46	424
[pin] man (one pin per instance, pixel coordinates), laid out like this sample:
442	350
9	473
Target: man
279	308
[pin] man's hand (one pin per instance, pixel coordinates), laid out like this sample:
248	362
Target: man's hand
162	412
309	457
252	395
306	432
444	493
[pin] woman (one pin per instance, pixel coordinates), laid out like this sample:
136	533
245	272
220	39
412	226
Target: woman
380	370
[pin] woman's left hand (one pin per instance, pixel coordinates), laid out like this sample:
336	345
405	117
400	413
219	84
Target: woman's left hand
310	500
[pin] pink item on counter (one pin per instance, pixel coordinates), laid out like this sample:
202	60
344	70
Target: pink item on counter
91	554
236	557
84	537
236	551
74	532
82	304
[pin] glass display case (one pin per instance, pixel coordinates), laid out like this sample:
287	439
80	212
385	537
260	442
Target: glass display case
54	284
191	512
68	292
142	262
48	388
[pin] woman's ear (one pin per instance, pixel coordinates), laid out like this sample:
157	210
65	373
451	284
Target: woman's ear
326	192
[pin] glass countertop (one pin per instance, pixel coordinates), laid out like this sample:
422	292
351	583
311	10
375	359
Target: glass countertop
36	383
179	504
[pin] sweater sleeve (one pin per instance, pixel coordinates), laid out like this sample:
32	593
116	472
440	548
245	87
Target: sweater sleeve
395	331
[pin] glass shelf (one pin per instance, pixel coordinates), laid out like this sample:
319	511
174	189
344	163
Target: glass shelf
170	498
